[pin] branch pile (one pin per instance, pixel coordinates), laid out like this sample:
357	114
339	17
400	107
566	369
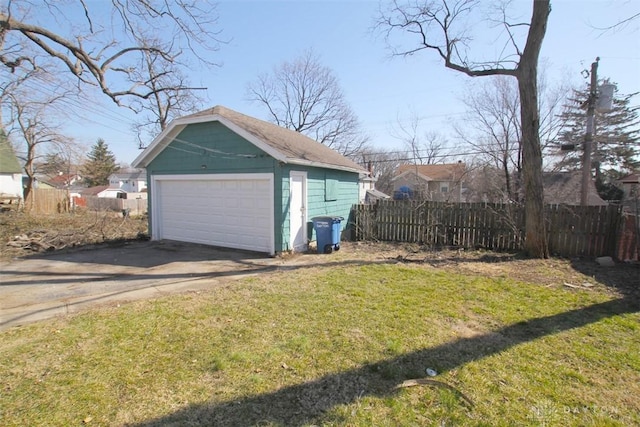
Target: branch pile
44	234
41	240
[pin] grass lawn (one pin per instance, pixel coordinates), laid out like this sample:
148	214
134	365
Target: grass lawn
328	346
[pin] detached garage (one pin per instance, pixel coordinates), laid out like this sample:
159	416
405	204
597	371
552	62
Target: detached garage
225	179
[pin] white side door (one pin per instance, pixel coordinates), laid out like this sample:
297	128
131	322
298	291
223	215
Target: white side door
298	211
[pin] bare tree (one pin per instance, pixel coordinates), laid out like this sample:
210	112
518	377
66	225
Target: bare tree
494	119
443	27
384	164
162	106
425	146
305	96
105	50
62	159
486	183
493	128
31	124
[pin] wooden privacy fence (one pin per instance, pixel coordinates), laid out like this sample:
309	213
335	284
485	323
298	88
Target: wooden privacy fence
571	230
133	206
47	201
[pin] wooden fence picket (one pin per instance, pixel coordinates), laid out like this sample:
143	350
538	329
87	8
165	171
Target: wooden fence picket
571	230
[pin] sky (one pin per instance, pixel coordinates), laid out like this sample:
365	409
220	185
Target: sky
383	90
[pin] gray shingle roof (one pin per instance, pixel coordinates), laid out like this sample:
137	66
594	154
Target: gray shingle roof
435	172
291	146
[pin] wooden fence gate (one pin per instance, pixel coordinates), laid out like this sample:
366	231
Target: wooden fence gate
571	230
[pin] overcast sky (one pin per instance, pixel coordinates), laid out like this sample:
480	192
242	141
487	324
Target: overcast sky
381	89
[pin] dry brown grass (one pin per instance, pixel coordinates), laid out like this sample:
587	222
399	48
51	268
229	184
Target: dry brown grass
22	234
574	273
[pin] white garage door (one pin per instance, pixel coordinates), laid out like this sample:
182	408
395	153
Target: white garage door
233	211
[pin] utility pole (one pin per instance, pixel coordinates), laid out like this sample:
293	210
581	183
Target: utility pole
588	139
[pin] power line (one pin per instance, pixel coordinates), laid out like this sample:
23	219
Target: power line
80	107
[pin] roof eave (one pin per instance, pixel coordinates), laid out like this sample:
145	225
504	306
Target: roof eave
301	162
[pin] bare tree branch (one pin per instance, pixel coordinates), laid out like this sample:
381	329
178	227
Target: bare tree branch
305	96
420	20
84	50
425	147
620	24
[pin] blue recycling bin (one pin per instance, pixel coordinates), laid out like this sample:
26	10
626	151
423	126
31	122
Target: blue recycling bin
327	233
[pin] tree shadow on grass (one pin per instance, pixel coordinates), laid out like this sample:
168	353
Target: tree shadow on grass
310	402
622	277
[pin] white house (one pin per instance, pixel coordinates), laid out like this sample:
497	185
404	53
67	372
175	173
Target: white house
103	191
133	181
10	174
367	187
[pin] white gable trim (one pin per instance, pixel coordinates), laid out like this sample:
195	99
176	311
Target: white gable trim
158	145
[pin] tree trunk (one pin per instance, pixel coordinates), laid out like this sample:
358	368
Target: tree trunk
507	176
535	233
28	169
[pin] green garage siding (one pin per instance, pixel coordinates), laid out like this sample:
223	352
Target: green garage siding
317	205
211	148
347	193
220	141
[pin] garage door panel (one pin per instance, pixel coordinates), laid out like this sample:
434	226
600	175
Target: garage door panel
228	212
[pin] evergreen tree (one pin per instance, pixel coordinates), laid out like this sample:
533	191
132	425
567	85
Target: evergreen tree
99	165
616	140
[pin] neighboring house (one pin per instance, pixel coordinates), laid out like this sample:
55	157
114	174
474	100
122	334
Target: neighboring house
565	188
631	186
222	178
367	188
134	181
441	182
102	191
65	180
10	174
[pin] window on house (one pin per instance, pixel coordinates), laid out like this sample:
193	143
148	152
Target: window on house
444	187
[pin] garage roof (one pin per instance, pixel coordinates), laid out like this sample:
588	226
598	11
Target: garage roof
283	144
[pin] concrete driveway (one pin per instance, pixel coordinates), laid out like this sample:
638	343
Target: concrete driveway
43	286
